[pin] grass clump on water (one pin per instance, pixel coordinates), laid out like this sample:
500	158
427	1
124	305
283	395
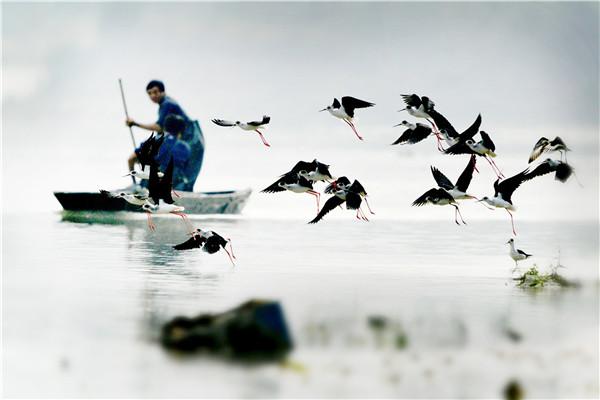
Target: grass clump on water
532	278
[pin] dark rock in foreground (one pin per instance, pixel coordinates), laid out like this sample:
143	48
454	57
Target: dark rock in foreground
255	330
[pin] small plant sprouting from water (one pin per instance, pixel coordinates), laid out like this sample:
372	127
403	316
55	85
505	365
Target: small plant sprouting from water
532	278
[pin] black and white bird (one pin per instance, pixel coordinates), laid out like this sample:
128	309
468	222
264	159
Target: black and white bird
458	191
247	126
562	170
422	107
413	134
545	146
439	197
137	199
314	171
503	192
160	200
209	241
517	254
293	182
345	110
343	192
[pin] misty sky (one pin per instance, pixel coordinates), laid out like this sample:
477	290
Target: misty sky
531	70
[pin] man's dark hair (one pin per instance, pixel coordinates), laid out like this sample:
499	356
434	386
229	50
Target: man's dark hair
155	83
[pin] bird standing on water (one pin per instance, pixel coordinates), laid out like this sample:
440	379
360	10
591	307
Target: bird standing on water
517	254
247	126
345	110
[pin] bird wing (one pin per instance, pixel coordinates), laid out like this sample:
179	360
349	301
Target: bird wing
351	103
464	180
538	149
428	104
487	141
288	177
411	100
166	184
322	168
353	201
471	130
563	170
405	137
329	205
264	121
303	166
459	148
441	179
145	151
523	253
154	184
336	103
508	186
442	123
222	122
356	187
558	142
194	242
433	194
156	146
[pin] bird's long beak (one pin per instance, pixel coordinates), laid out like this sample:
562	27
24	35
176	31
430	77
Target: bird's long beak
404	109
508	242
325	109
396	125
129	174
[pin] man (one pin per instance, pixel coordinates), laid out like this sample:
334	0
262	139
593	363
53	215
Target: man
191	133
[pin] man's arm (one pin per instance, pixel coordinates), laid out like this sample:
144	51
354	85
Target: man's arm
149	127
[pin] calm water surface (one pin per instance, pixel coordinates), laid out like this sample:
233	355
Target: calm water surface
83	303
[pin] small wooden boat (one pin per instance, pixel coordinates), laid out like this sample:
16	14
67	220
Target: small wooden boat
226	202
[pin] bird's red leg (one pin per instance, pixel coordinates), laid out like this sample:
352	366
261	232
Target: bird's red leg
176	194
230	259
353	128
512	222
231	247
317	196
263	138
497	168
461	217
186	221
455	214
368	206
150	223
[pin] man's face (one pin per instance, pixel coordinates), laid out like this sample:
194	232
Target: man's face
155	94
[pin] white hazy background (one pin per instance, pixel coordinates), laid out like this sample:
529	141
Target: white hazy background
531	70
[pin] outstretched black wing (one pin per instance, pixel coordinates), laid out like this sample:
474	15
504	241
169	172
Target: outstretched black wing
330	204
265	120
464	180
287	178
487	141
222	122
562	169
559	144
353	201
336	103
441	179
471	130
538	149
166	184
351	103
303	166
433	195
459	148
412	100
508	186
154	184
194	242
356	187
413	136
214	243
442	123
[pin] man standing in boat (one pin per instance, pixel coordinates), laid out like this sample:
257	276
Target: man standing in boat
172	116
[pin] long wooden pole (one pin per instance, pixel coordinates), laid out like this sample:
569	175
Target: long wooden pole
127	116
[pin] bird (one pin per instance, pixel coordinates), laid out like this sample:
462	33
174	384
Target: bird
517	254
159	199
503	192
562	170
345	110
545	146
344	191
247	126
464	144
137	199
422	107
413	134
458	191
314	171
439	197
149	150
293	182
210	242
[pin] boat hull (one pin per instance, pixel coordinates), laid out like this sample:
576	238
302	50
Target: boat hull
226	202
